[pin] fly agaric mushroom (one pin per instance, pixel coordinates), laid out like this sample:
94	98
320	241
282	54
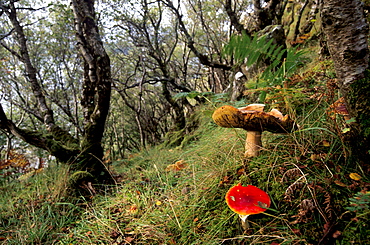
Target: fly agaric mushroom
247	200
253	119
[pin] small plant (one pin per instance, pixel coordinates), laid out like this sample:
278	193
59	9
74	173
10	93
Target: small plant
279	64
360	203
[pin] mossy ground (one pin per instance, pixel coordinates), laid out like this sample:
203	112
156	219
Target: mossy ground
316	199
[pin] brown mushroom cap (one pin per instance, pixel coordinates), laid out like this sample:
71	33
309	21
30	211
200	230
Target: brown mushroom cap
228	117
252	120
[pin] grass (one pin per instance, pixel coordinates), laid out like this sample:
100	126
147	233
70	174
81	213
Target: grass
314	199
33	211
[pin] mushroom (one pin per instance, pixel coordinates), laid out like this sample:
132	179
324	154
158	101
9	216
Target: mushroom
247	200
253	119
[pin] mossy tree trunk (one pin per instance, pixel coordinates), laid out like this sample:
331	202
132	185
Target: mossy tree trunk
97	87
85	152
346	29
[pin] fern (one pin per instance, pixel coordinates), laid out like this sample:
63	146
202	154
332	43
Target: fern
252	51
243	49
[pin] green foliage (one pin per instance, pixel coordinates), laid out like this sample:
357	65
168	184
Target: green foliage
175	195
242	47
280	70
357	229
360	203
279	64
36	211
77	177
157	203
358	93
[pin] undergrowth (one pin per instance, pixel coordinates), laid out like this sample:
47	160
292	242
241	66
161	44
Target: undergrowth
177	195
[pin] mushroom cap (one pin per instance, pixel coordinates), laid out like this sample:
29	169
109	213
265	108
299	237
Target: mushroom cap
253	120
247	200
228	117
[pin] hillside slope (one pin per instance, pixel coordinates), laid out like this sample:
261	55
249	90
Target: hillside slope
177	195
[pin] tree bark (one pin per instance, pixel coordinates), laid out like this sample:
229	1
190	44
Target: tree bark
97	87
346	29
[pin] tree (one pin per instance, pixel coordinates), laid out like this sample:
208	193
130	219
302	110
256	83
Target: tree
83	151
153	65
346	29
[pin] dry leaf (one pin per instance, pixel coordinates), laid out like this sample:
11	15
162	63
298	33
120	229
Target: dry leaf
133	209
129	239
340	183
336	234
177	166
325	143
355	176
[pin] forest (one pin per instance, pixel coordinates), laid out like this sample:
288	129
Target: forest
143	122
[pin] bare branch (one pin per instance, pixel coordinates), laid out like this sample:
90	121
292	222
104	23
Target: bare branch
190	41
234	17
30	69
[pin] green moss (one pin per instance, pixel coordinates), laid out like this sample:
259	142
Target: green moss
77	184
61	135
77	177
358	97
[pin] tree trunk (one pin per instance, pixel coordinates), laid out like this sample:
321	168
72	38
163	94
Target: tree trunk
346	29
85	154
97	88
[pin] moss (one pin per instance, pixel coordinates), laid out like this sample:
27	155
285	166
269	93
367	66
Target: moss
77	184
62	136
358	97
80	176
358	138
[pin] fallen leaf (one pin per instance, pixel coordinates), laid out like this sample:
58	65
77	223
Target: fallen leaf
336	234
226	179
129	239
241	171
355	176
133	209
325	143
177	166
340	183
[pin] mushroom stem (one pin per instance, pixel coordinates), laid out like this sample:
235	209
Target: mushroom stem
245	223
253	144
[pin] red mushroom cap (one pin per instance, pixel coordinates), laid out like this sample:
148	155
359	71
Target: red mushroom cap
247	200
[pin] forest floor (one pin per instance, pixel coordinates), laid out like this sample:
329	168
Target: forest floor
176	195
